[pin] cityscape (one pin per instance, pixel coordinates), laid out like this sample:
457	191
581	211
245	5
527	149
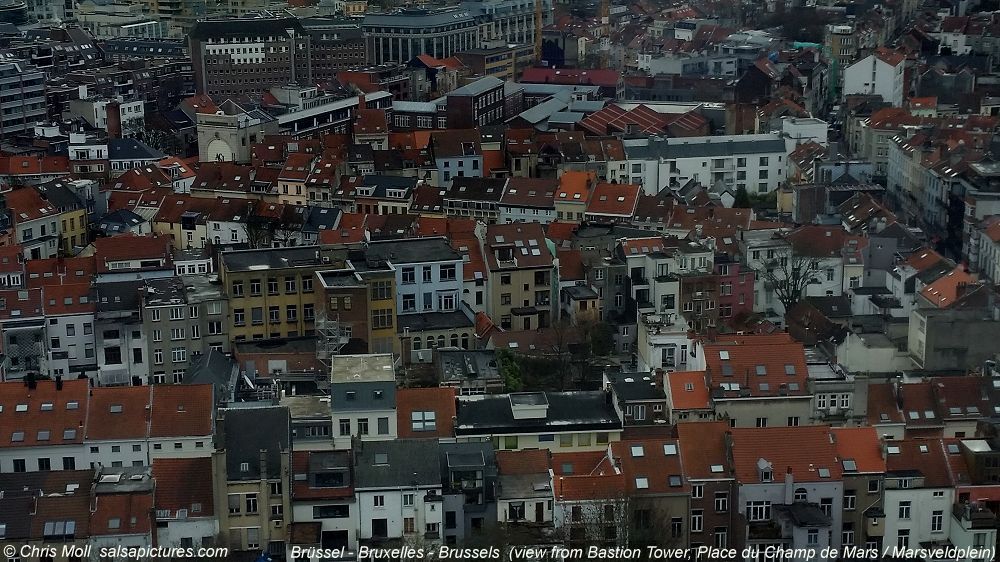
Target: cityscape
499	280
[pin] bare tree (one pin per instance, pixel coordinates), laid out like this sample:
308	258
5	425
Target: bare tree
789	277
627	520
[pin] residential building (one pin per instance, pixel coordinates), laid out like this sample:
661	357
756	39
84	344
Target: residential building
523	276
362	398
21	81
880	73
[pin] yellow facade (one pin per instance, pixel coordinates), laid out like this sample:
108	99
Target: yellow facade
74	230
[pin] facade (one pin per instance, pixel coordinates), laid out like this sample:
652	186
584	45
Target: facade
22	82
880	73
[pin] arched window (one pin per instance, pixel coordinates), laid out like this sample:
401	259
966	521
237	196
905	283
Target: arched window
417	344
801	495
465	341
454	340
441	342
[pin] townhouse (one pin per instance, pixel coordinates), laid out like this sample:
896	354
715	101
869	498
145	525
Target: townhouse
35	222
523	277
362	398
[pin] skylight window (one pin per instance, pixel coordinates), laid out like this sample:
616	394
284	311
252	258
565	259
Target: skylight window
850	465
824	472
716	468
892	450
669	449
789	369
761	370
675	481
724	355
638	451
641	483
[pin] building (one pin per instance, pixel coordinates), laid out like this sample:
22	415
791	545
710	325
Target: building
183	317
250	478
477	104
363	398
880	73
523	281
557	421
21	81
755	162
225	52
270	291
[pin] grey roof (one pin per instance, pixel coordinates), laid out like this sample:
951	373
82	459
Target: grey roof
118	296
59	195
466	364
567	117
403	463
803	514
247	432
702	148
567	411
119	221
480	86
633	387
413	250
215	368
467	188
321	218
244	27
414	107
542	111
461	318
271	258
419	18
132	149
580	292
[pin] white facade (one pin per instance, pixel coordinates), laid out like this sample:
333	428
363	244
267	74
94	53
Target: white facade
334	516
511	213
910	524
756	162
71	342
873	75
428	286
805	130
388	505
178	530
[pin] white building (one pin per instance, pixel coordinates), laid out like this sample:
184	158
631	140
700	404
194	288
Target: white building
755	162
429	276
322	493
363	398
880	73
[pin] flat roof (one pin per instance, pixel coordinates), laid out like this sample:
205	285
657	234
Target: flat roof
376	367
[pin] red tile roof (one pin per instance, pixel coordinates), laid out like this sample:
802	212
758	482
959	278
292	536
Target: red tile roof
535	193
948	288
818	241
526	240
804	450
53	271
297	167
130	247
703	446
27	412
26	204
862	445
926	456
658	461
302	490
889	56
176	489
571	265
601	77
613	119
33	165
71	298
580	463
575	186
882	408
763	369
182	410
134	512
441	401
688	390
118	413
530	461
614	199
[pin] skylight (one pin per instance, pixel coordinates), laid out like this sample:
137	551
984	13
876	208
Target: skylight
850	465
669	449
638	451
642	483
724	355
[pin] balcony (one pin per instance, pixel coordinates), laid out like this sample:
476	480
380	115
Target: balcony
973	516
763	530
638	280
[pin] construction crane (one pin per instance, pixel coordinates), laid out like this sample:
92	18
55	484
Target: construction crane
605	40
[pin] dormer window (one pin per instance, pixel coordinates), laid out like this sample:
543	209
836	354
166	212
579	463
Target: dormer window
767	475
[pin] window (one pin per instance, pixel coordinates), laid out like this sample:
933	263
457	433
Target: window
758	510
721	537
850	500
363	426
793	421
903	538
289	285
292	313
937	521
873	486
407	500
383	426
272	286
378	501
344	426
676	527
904	510
448	272
382	318
423	421
847	537
409	525
697	519
408	275
112	355
812	537
178	354
761	422
697	491
510	442
721	502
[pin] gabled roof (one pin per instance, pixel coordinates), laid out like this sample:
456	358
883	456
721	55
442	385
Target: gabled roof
688	390
43	416
176	489
26	204
861	445
948	288
130	247
757	368
923	456
614	199
182	410
651	466
130	511
528	461
703	449
807	451
575	186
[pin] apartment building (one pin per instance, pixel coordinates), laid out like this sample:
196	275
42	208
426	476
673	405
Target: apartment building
182	317
35	222
755	162
270	291
880	73
363	398
70	309
523	280
72	213
357	306
250	471
21	81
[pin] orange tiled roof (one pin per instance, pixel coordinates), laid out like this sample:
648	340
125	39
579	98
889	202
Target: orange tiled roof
688	390
948	288
43	416
441	401
176	489
862	445
530	461
614	199
182	410
804	450
703	449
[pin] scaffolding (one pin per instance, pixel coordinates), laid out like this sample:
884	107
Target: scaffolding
331	337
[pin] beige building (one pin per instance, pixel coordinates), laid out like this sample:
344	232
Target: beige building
228	134
523	276
271	291
250	468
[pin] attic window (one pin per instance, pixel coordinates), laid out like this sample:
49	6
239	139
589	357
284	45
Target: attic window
924	449
793	386
761	370
115	408
669	449
850	465
689	387
789	369
43	435
244	467
641	483
73	405
716	468
929	414
17	437
952	449
892	450
724	355
638	451
21	408
69	434
675	481
567	468
883	417
914	415
973	410
824	472
46	406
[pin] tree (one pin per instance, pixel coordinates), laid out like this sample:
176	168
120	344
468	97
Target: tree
510	371
742	198
789	277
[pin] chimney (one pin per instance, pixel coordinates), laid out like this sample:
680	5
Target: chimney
263	463
789	486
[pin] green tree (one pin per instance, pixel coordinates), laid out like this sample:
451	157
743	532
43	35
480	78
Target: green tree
510	370
742	198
